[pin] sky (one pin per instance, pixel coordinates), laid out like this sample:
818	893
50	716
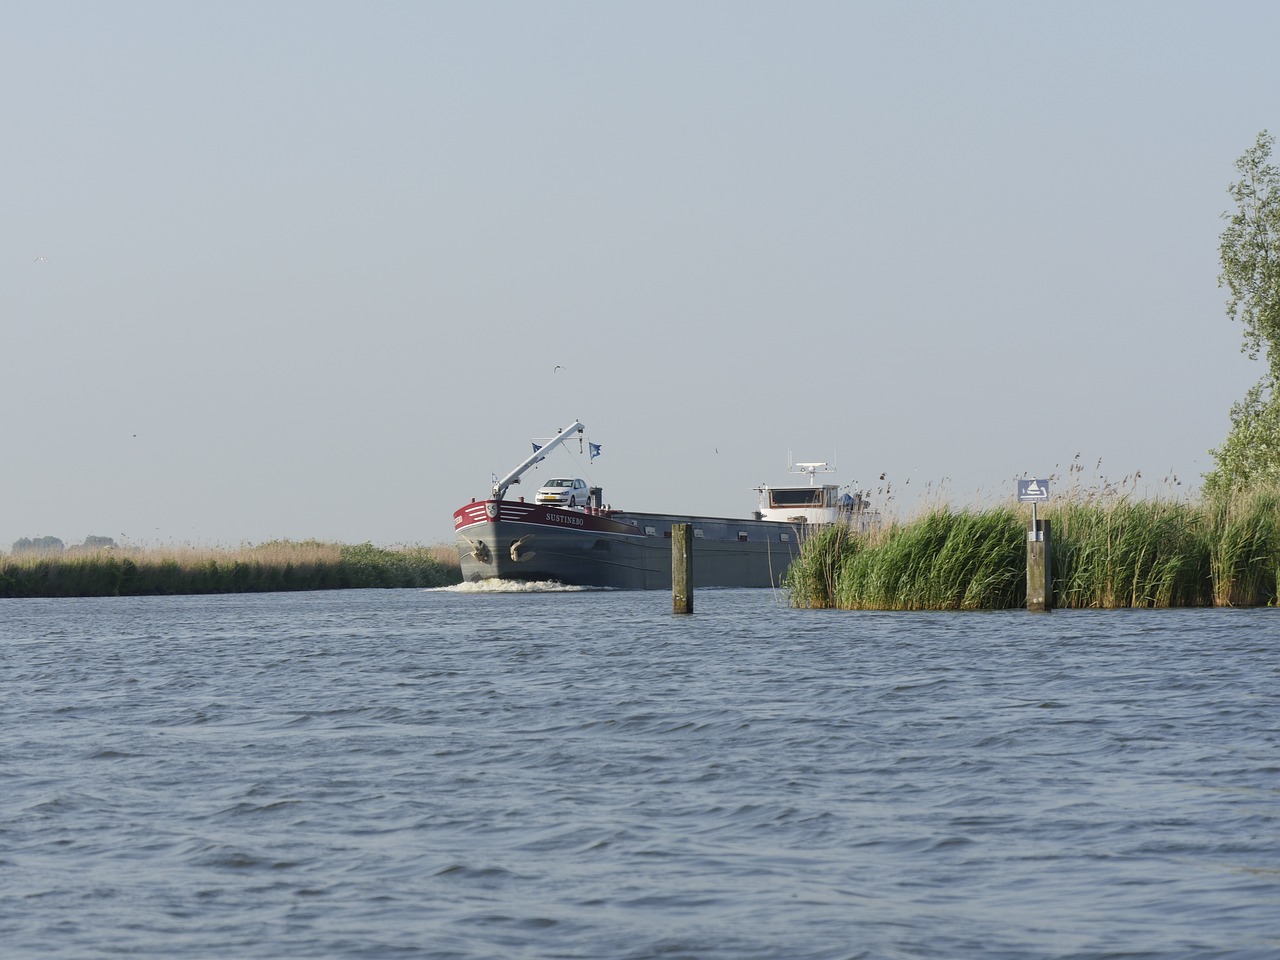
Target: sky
307	269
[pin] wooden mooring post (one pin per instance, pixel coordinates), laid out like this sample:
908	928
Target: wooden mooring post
681	568
1039	566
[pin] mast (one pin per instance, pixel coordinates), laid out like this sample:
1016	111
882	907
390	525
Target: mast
500	487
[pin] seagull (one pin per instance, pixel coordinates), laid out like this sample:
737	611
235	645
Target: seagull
41	260
557	369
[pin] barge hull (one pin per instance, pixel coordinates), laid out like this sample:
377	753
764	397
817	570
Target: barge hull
506	540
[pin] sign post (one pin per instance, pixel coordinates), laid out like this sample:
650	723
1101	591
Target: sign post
1039	541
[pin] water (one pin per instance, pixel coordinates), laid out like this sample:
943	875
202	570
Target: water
444	774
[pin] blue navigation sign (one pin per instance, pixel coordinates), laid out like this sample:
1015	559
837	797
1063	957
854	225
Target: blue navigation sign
1033	491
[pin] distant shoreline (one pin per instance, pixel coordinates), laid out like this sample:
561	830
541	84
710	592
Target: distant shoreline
280	565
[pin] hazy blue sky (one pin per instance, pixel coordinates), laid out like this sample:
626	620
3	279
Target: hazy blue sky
309	267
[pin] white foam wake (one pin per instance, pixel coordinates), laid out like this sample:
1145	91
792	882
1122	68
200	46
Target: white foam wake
514	586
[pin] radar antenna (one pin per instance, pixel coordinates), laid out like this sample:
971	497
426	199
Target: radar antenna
812	468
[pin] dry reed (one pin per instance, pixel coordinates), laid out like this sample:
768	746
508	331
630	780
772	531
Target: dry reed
277	565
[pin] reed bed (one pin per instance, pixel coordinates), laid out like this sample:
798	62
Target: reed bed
945	560
275	566
1109	550
1244	554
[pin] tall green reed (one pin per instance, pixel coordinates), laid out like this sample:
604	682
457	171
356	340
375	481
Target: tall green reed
812	579
943	561
1244	554
1110	553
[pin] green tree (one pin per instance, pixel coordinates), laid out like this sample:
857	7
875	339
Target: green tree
1250	252
1250	456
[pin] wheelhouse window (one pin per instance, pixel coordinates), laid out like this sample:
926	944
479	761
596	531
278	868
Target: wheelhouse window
798	497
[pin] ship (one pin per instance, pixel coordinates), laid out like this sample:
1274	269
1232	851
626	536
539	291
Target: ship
588	544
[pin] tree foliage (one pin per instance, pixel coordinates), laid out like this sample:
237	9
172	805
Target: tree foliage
1250	254
1250	456
38	545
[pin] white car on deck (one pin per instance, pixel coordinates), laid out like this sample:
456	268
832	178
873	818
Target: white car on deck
564	492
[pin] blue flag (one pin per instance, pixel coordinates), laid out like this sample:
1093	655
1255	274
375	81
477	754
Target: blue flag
536	448
595	449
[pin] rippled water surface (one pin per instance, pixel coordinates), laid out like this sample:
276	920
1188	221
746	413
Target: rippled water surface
449	774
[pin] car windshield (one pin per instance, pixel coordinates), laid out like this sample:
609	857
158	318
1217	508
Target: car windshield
560	483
